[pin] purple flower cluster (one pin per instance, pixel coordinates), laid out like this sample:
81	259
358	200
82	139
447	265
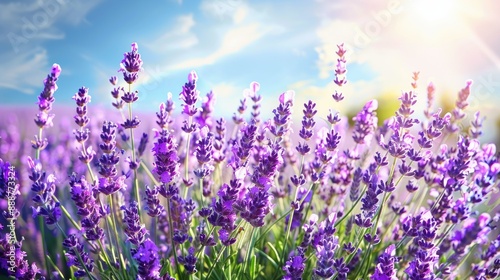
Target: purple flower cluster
385	266
326	245
45	99
77	256
166	164
282	115
44	188
130	66
109	183
189	96
365	123
147	259
294	267
14	260
82	98
135	231
84	196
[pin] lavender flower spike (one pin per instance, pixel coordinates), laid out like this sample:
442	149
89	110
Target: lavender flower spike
385	266
148	260
131	64
366	122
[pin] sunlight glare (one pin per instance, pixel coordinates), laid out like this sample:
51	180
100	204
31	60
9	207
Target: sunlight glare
436	11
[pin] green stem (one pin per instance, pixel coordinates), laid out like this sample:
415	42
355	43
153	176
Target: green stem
45	250
40	219
149	173
201	193
132	143
360	196
113	216
186	159
215	262
77	253
66	213
106	257
249	251
171	226
55	267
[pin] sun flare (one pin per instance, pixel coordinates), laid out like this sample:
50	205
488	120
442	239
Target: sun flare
436	11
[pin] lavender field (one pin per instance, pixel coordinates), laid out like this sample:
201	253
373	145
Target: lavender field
186	194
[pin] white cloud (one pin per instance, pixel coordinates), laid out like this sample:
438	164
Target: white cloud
24	72
240	14
234	40
36	21
226	90
26	27
221	9
178	37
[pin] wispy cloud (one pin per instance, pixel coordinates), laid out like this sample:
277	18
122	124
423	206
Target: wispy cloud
222	9
25	71
179	36
27	27
235	40
28	24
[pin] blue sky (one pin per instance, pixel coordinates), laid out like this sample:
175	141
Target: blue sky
283	45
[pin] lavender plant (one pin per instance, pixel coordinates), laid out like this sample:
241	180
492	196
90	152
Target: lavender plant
408	197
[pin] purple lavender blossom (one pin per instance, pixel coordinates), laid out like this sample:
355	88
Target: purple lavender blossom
476	125
75	253
282	115
109	183
203	238
326	245
148	260
17	258
254	207
84	196
131	64
204	153
365	123
294	267
222	213
204	118
82	98
306	132
45	100
181	215
253	94
135	231
220	141
241	152
154	208
166	161
340	71
189	261
385	267
189	95
268	167
44	187
426	257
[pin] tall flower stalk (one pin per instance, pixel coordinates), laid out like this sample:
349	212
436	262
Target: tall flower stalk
130	66
44	119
